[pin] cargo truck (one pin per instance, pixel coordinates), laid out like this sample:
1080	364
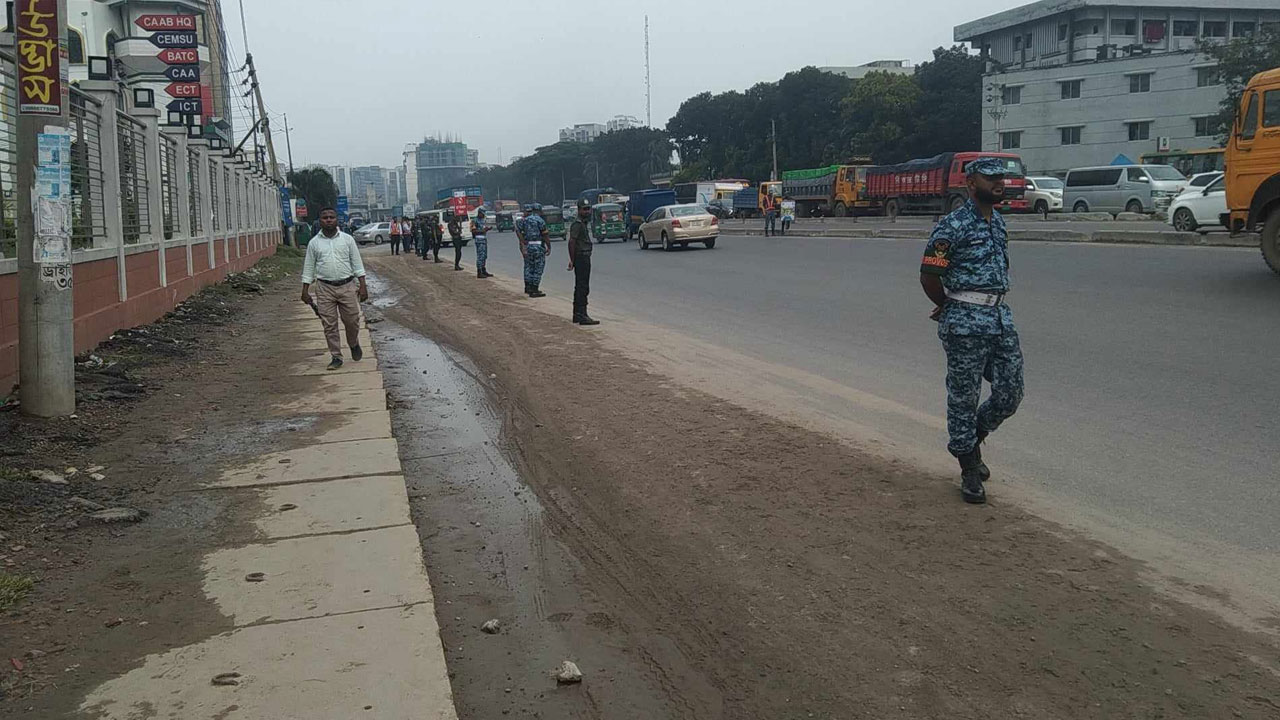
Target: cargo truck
835	190
1253	165
936	185
748	201
643	202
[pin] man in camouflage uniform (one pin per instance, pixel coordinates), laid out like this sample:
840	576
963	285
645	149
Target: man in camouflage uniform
965	272
535	246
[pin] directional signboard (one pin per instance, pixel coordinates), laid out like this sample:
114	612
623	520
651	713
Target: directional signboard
183	73
189	106
173	39
183	90
154	23
344	209
179	56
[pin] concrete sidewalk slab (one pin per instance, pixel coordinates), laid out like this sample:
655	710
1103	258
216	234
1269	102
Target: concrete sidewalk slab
355	426
317	365
336	401
317	462
316	340
320	575
337	506
338	382
386	664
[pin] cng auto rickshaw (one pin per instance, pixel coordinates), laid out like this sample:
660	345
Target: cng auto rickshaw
554	217
607	222
504	222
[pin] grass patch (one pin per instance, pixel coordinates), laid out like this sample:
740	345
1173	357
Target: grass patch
13	588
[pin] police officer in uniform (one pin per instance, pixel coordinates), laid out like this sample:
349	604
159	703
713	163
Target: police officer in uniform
535	246
580	263
480	233
965	272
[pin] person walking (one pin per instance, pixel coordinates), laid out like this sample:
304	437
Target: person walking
333	266
437	237
394	231
480	233
535	246
770	215
455	238
965	272
580	263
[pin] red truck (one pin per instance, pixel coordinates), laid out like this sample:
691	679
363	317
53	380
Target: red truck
930	186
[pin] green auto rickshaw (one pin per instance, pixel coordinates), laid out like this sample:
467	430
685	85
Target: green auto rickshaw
554	217
504	222
607	222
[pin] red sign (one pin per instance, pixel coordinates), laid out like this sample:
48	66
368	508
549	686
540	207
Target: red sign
179	56
166	22
183	90
39	62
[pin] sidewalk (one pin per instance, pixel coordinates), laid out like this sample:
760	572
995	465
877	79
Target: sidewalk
341	622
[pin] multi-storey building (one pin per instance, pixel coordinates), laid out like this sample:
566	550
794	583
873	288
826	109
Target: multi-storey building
621	122
582	132
895	67
1082	82
368	187
441	164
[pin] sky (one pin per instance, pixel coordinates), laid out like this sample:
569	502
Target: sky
360	79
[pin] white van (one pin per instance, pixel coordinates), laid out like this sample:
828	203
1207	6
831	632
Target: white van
1122	188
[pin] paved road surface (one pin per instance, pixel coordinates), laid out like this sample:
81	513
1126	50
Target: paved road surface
913	226
1151	385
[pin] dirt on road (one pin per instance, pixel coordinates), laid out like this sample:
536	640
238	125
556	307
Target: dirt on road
749	568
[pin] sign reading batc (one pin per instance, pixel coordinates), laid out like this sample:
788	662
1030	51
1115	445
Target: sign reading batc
170	39
179	56
39	61
166	22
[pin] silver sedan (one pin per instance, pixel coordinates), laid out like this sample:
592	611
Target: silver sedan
680	225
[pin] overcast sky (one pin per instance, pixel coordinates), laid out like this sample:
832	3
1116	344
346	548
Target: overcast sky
361	78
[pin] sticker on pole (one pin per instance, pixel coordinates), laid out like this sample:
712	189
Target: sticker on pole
51	201
40	64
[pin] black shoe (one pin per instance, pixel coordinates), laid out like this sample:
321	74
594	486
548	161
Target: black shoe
335	363
971	472
977	452
457	267
536	292
356	353
438	260
587	320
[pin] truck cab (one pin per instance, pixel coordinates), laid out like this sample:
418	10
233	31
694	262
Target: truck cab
1253	165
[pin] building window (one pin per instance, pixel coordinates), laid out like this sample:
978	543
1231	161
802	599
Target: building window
1204	126
1011	140
1153	31
1140	83
1140	130
1207	76
1242	29
1071	135
1017	43
75	47
1062	32
1124	27
1011	95
1215	28
1071	89
1185	28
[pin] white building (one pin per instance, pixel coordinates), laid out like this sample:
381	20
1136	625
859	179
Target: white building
895	67
1080	82
622	122
583	132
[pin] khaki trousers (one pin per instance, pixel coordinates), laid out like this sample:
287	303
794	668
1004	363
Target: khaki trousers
334	303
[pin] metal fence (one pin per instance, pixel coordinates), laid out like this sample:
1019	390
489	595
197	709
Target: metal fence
135	208
196	223
88	216
8	157
169	185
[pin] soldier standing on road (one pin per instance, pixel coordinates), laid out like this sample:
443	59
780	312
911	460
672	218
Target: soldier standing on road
455	239
480	233
437	235
580	263
333	261
965	272
535	246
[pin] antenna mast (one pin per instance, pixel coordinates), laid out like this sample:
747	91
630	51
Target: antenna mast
648	102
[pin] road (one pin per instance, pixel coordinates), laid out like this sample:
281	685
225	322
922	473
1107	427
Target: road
912	226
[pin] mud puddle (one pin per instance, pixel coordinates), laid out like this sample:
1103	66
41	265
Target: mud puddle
491	555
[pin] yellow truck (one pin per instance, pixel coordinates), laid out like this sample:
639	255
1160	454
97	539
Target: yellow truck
835	190
1253	165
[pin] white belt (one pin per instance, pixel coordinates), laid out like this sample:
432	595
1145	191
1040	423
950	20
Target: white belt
975	298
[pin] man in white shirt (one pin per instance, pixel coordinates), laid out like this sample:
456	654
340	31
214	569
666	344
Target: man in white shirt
333	264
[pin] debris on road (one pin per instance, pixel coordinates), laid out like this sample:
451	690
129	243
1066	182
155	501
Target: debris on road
226	679
117	515
491	627
568	673
49	476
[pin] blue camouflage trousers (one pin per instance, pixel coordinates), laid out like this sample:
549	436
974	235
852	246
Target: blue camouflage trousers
482	251
970	358
535	261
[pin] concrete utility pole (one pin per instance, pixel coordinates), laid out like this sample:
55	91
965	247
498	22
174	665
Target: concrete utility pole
46	348
262	112
288	145
773	125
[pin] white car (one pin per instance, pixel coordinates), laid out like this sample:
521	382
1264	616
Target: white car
1198	208
673	225
1201	180
376	233
1044	194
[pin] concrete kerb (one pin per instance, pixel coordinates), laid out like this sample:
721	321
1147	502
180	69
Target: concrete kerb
1118	237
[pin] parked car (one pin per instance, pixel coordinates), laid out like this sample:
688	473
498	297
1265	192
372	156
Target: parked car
1200	180
1044	194
680	225
376	233
1122	188
1200	207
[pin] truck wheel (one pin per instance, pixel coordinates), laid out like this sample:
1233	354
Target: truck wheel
840	210
891	209
1271	241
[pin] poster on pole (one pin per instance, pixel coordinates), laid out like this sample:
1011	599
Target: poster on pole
40	62
51	201
788	210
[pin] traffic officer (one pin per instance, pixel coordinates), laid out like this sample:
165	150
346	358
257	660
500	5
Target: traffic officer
965	272
480	233
580	263
535	246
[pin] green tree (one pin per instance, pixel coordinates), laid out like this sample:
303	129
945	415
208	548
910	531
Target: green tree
1238	61
317	187
949	114
879	117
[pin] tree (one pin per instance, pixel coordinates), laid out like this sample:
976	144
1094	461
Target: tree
879	116
317	187
949	115
1238	61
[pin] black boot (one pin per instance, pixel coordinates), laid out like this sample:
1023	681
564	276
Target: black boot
971	472
586	319
977	452
536	292
528	289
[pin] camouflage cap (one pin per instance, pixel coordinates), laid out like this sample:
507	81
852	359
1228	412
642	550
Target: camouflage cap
985	166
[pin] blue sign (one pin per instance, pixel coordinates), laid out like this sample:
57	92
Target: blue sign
183	73
286	213
343	209
173	39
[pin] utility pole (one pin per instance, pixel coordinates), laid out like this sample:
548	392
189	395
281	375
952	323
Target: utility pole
262	112
773	125
648	88
46	347
287	143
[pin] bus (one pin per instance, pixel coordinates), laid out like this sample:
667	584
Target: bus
1188	162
